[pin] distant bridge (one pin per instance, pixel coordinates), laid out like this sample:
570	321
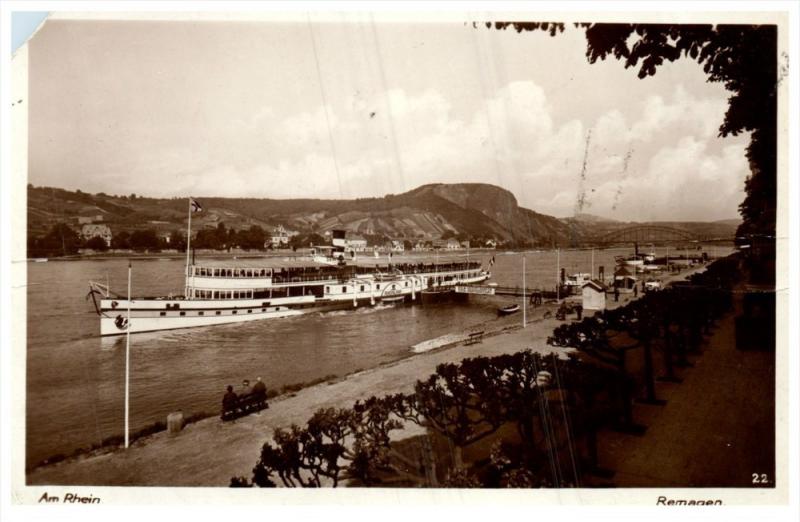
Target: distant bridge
647	234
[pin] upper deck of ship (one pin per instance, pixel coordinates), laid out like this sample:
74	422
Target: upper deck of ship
283	268
291	262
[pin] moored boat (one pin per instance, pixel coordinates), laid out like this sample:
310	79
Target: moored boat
631	260
577	280
508	310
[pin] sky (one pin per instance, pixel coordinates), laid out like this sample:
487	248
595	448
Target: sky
361	108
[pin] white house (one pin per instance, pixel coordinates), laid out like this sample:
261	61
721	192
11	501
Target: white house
453	244
102	231
398	245
355	243
594	295
280	237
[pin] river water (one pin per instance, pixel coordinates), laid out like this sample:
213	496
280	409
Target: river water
75	379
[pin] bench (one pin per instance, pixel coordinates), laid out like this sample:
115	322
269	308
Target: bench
244	406
474	338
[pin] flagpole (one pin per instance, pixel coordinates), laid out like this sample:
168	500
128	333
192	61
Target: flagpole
188	244
592	276
128	358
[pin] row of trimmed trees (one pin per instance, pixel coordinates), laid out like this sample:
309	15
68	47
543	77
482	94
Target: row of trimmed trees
517	409
516	420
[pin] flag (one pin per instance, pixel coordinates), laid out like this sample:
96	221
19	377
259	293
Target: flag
491	262
196	207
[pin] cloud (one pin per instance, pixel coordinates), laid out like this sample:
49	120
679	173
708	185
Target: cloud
394	141
677	169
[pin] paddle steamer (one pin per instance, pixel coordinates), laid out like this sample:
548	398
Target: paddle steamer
232	291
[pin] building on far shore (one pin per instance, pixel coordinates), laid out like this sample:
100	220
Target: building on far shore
355	243
421	246
89	231
446	244
280	237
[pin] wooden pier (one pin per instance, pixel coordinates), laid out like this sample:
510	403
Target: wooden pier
515	291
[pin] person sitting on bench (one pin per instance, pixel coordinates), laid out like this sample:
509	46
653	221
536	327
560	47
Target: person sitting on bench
229	401
246	390
259	388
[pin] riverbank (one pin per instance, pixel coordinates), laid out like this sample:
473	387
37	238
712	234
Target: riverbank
242	254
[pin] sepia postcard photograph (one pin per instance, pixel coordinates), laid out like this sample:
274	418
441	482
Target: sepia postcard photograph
375	252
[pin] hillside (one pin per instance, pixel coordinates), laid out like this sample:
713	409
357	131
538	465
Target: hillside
473	210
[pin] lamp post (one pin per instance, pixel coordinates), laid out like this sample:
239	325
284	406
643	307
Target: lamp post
524	292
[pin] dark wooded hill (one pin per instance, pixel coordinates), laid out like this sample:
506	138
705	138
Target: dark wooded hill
468	210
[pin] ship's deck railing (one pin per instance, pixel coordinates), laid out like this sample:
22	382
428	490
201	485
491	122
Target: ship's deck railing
302	279
347	273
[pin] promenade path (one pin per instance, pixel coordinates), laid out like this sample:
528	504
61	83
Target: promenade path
717	428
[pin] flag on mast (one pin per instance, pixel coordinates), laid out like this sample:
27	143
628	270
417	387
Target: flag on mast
196	206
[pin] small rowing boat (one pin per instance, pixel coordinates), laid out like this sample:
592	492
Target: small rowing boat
507	310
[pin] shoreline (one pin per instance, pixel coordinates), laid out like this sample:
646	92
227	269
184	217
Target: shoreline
255	254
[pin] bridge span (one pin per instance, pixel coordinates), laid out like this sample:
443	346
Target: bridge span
647	234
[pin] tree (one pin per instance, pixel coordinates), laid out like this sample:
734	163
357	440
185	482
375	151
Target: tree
305	456
144	240
121	240
216	238
97	243
252	238
61	240
177	240
317	454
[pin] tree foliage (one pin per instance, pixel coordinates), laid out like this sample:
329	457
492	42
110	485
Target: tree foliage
60	240
97	243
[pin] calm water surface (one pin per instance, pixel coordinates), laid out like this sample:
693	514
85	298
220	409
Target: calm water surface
75	379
